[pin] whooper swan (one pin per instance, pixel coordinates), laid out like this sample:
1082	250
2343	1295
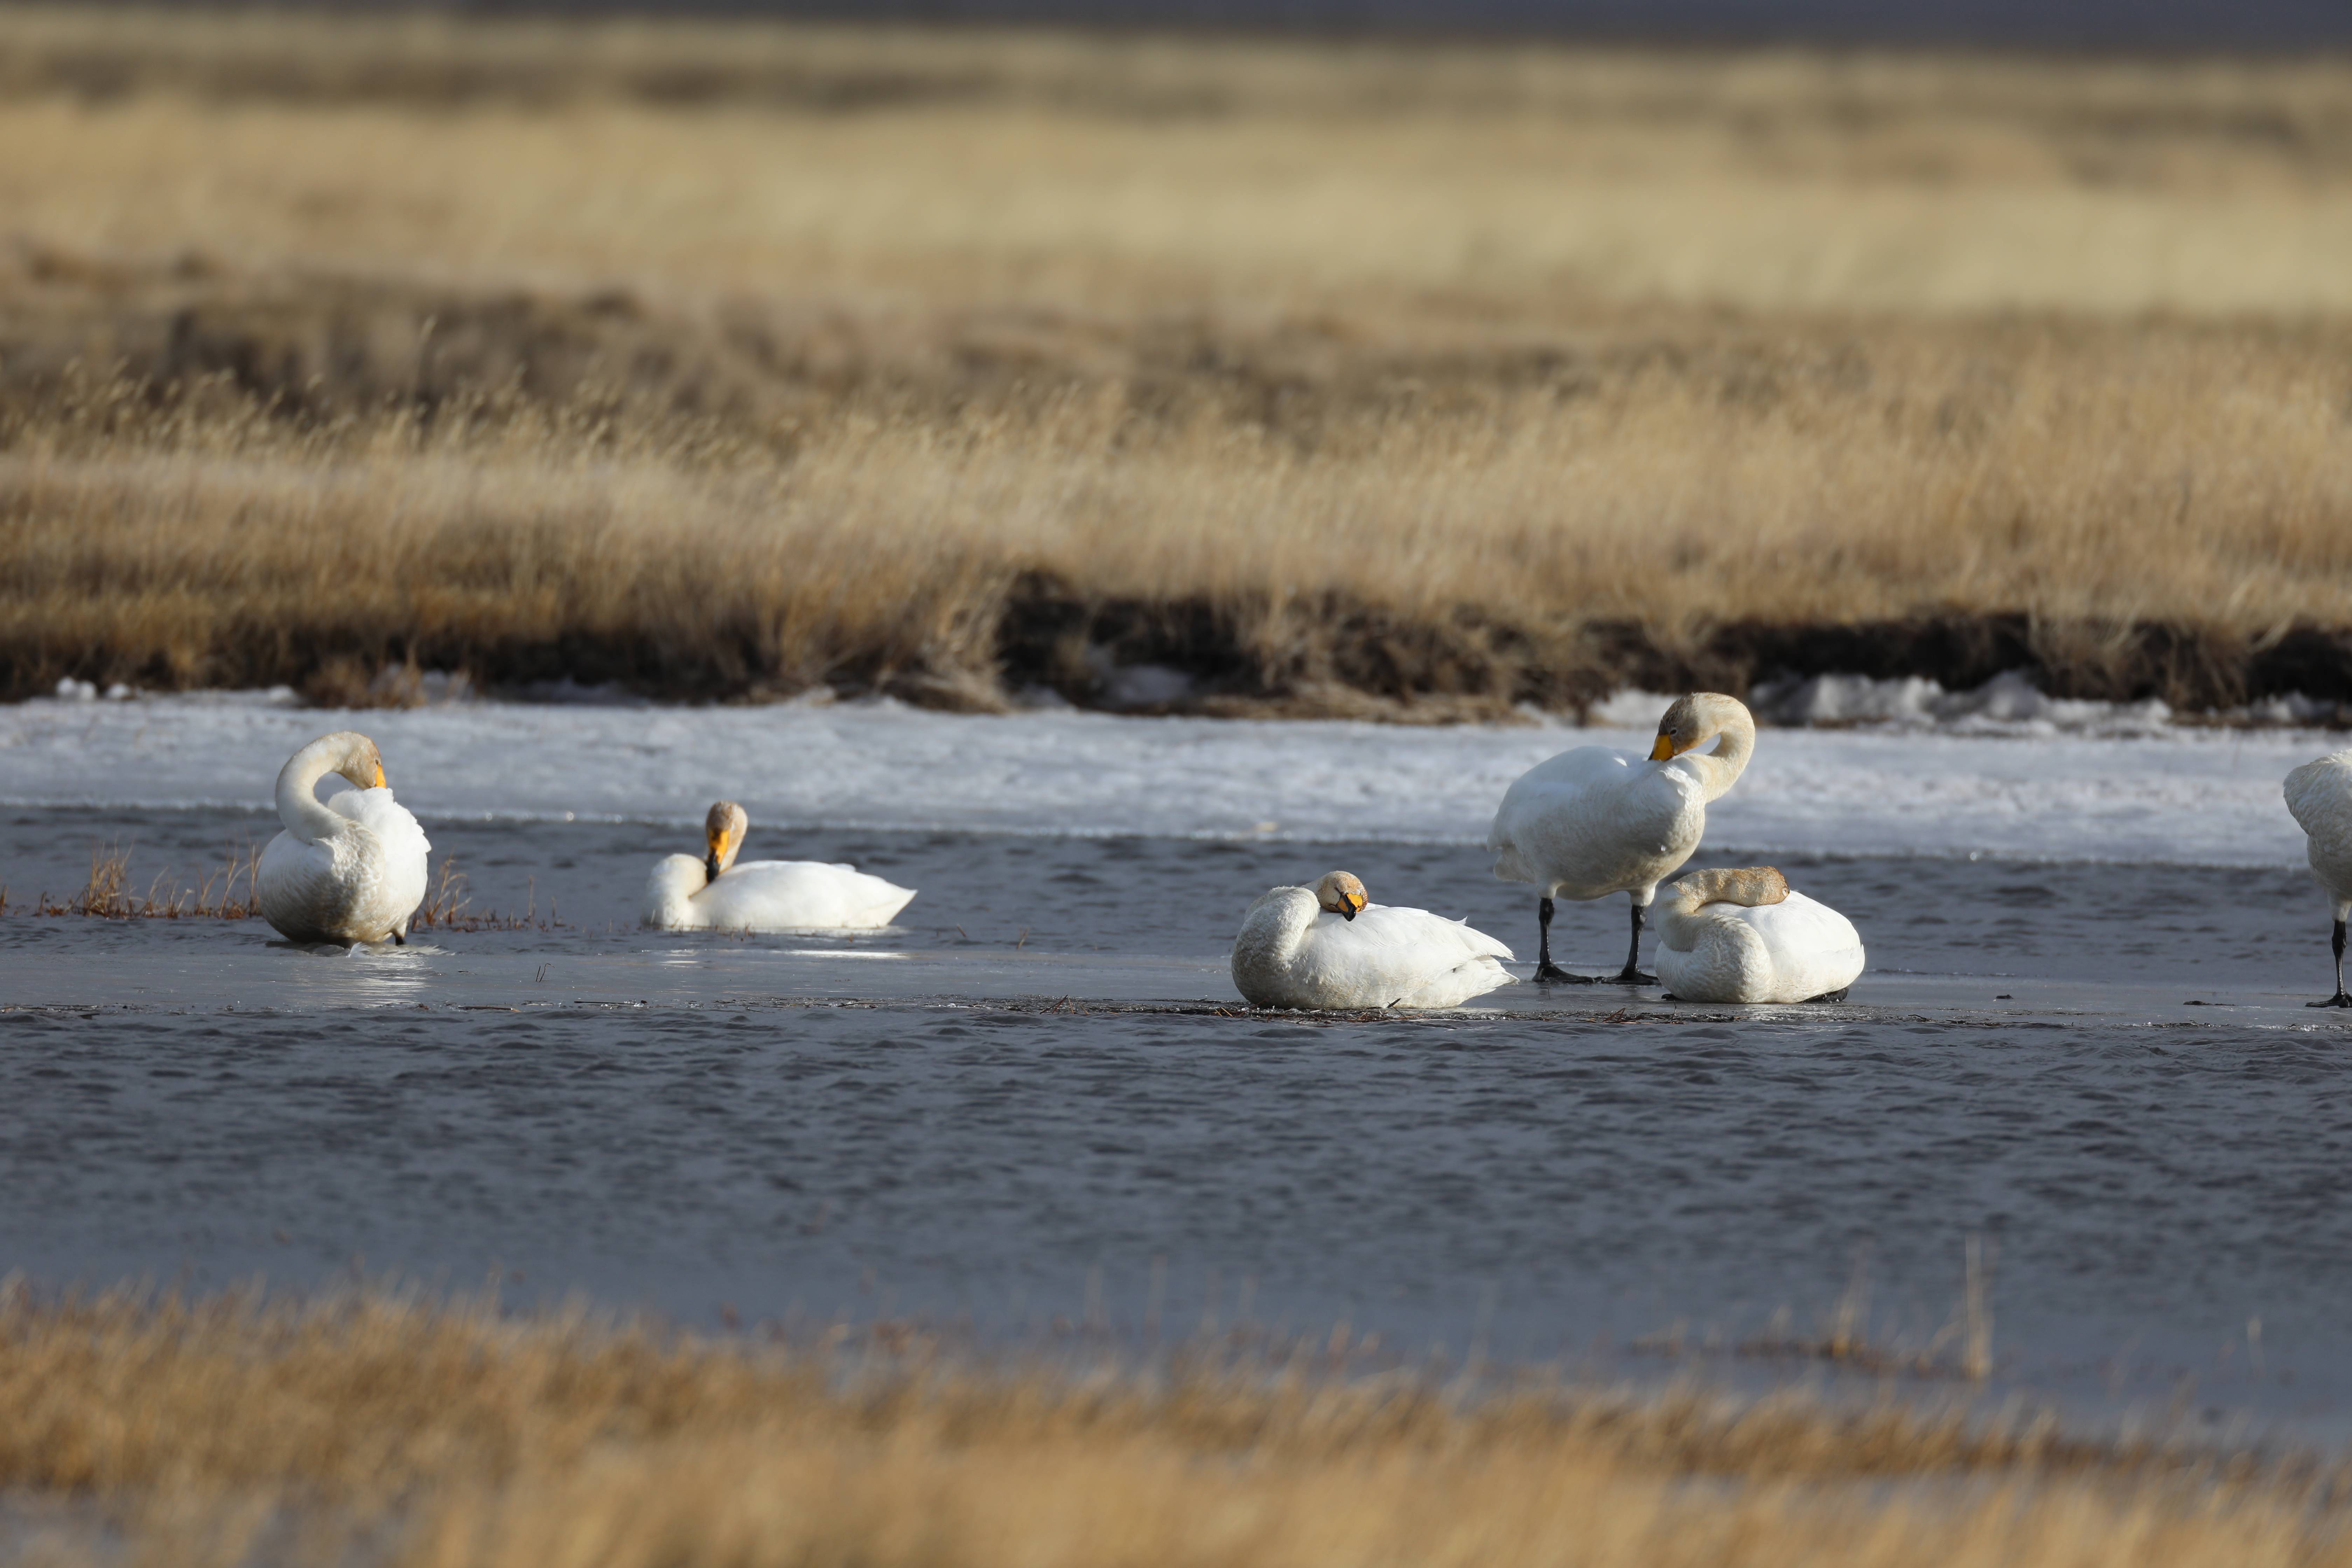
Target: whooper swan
715	894
1328	946
1595	820
350	871
2319	793
1745	936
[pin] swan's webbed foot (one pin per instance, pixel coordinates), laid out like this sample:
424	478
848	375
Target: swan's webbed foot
1629	975
1836	996
2338	1000
1553	975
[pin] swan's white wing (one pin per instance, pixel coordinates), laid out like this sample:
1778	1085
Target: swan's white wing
2319	793
1595	820
1388	955
299	887
798	895
1814	950
400	871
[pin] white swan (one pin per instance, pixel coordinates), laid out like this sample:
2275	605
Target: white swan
2319	793
1745	936
1595	820
1327	946
350	871
714	893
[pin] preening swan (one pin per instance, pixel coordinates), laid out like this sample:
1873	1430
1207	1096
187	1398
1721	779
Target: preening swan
1328	946
2319	793
1745	936
714	893
350	871
1595	820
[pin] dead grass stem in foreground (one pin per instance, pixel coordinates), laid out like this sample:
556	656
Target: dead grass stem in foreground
449	1436
730	361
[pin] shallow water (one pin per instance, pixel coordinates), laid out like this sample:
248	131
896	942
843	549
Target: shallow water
1022	1104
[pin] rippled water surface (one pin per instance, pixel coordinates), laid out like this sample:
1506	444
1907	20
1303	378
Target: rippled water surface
1022	1104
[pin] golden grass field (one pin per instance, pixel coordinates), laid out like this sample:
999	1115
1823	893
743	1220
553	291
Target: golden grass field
729	360
376	1428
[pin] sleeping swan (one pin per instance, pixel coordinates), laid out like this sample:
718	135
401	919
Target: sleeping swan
1745	936
350	871
2319	793
1595	820
687	894
1326	946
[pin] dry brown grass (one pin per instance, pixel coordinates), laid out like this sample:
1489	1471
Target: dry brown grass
378	1429
728	361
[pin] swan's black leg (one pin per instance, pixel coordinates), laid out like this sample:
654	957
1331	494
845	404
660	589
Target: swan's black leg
1547	972
1632	974
2339	999
399	939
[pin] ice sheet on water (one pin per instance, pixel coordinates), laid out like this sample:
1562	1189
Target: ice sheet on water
2204	795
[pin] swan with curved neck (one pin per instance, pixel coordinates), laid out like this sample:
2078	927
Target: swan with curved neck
2319	795
1594	820
1329	946
714	893
1745	936
349	869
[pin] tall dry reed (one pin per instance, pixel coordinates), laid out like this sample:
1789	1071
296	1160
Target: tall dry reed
729	360
406	1433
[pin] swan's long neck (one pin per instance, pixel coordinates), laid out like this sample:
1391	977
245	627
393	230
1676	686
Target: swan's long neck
1720	769
298	806
1276	925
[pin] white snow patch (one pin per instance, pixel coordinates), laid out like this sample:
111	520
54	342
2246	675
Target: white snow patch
2180	794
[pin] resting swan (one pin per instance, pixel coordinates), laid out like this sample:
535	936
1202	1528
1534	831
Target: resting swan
1595	820
1745	936
687	894
1293	952
2319	793
350	871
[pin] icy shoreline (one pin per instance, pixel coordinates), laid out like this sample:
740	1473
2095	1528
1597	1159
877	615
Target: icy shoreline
2009	787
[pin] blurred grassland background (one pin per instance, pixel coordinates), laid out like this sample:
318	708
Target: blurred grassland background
1403	379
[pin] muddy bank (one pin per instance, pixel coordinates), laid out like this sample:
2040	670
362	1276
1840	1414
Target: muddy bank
1328	659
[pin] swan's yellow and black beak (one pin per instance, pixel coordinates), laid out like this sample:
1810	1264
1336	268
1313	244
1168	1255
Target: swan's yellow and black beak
379	773
1350	903
1665	750
710	861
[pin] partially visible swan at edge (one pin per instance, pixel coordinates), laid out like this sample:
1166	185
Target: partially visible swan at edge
1328	946
714	893
352	870
2319	793
1745	936
1595	820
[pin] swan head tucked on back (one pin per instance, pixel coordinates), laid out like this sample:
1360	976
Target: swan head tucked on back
351	754
723	830
1342	893
1702	716
1751	886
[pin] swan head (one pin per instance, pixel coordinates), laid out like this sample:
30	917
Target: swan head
1694	721
356	759
723	831
1340	893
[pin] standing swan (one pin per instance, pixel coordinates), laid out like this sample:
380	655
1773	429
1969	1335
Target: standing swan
687	894
2319	793
1745	936
1291	953
1595	820
350	871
